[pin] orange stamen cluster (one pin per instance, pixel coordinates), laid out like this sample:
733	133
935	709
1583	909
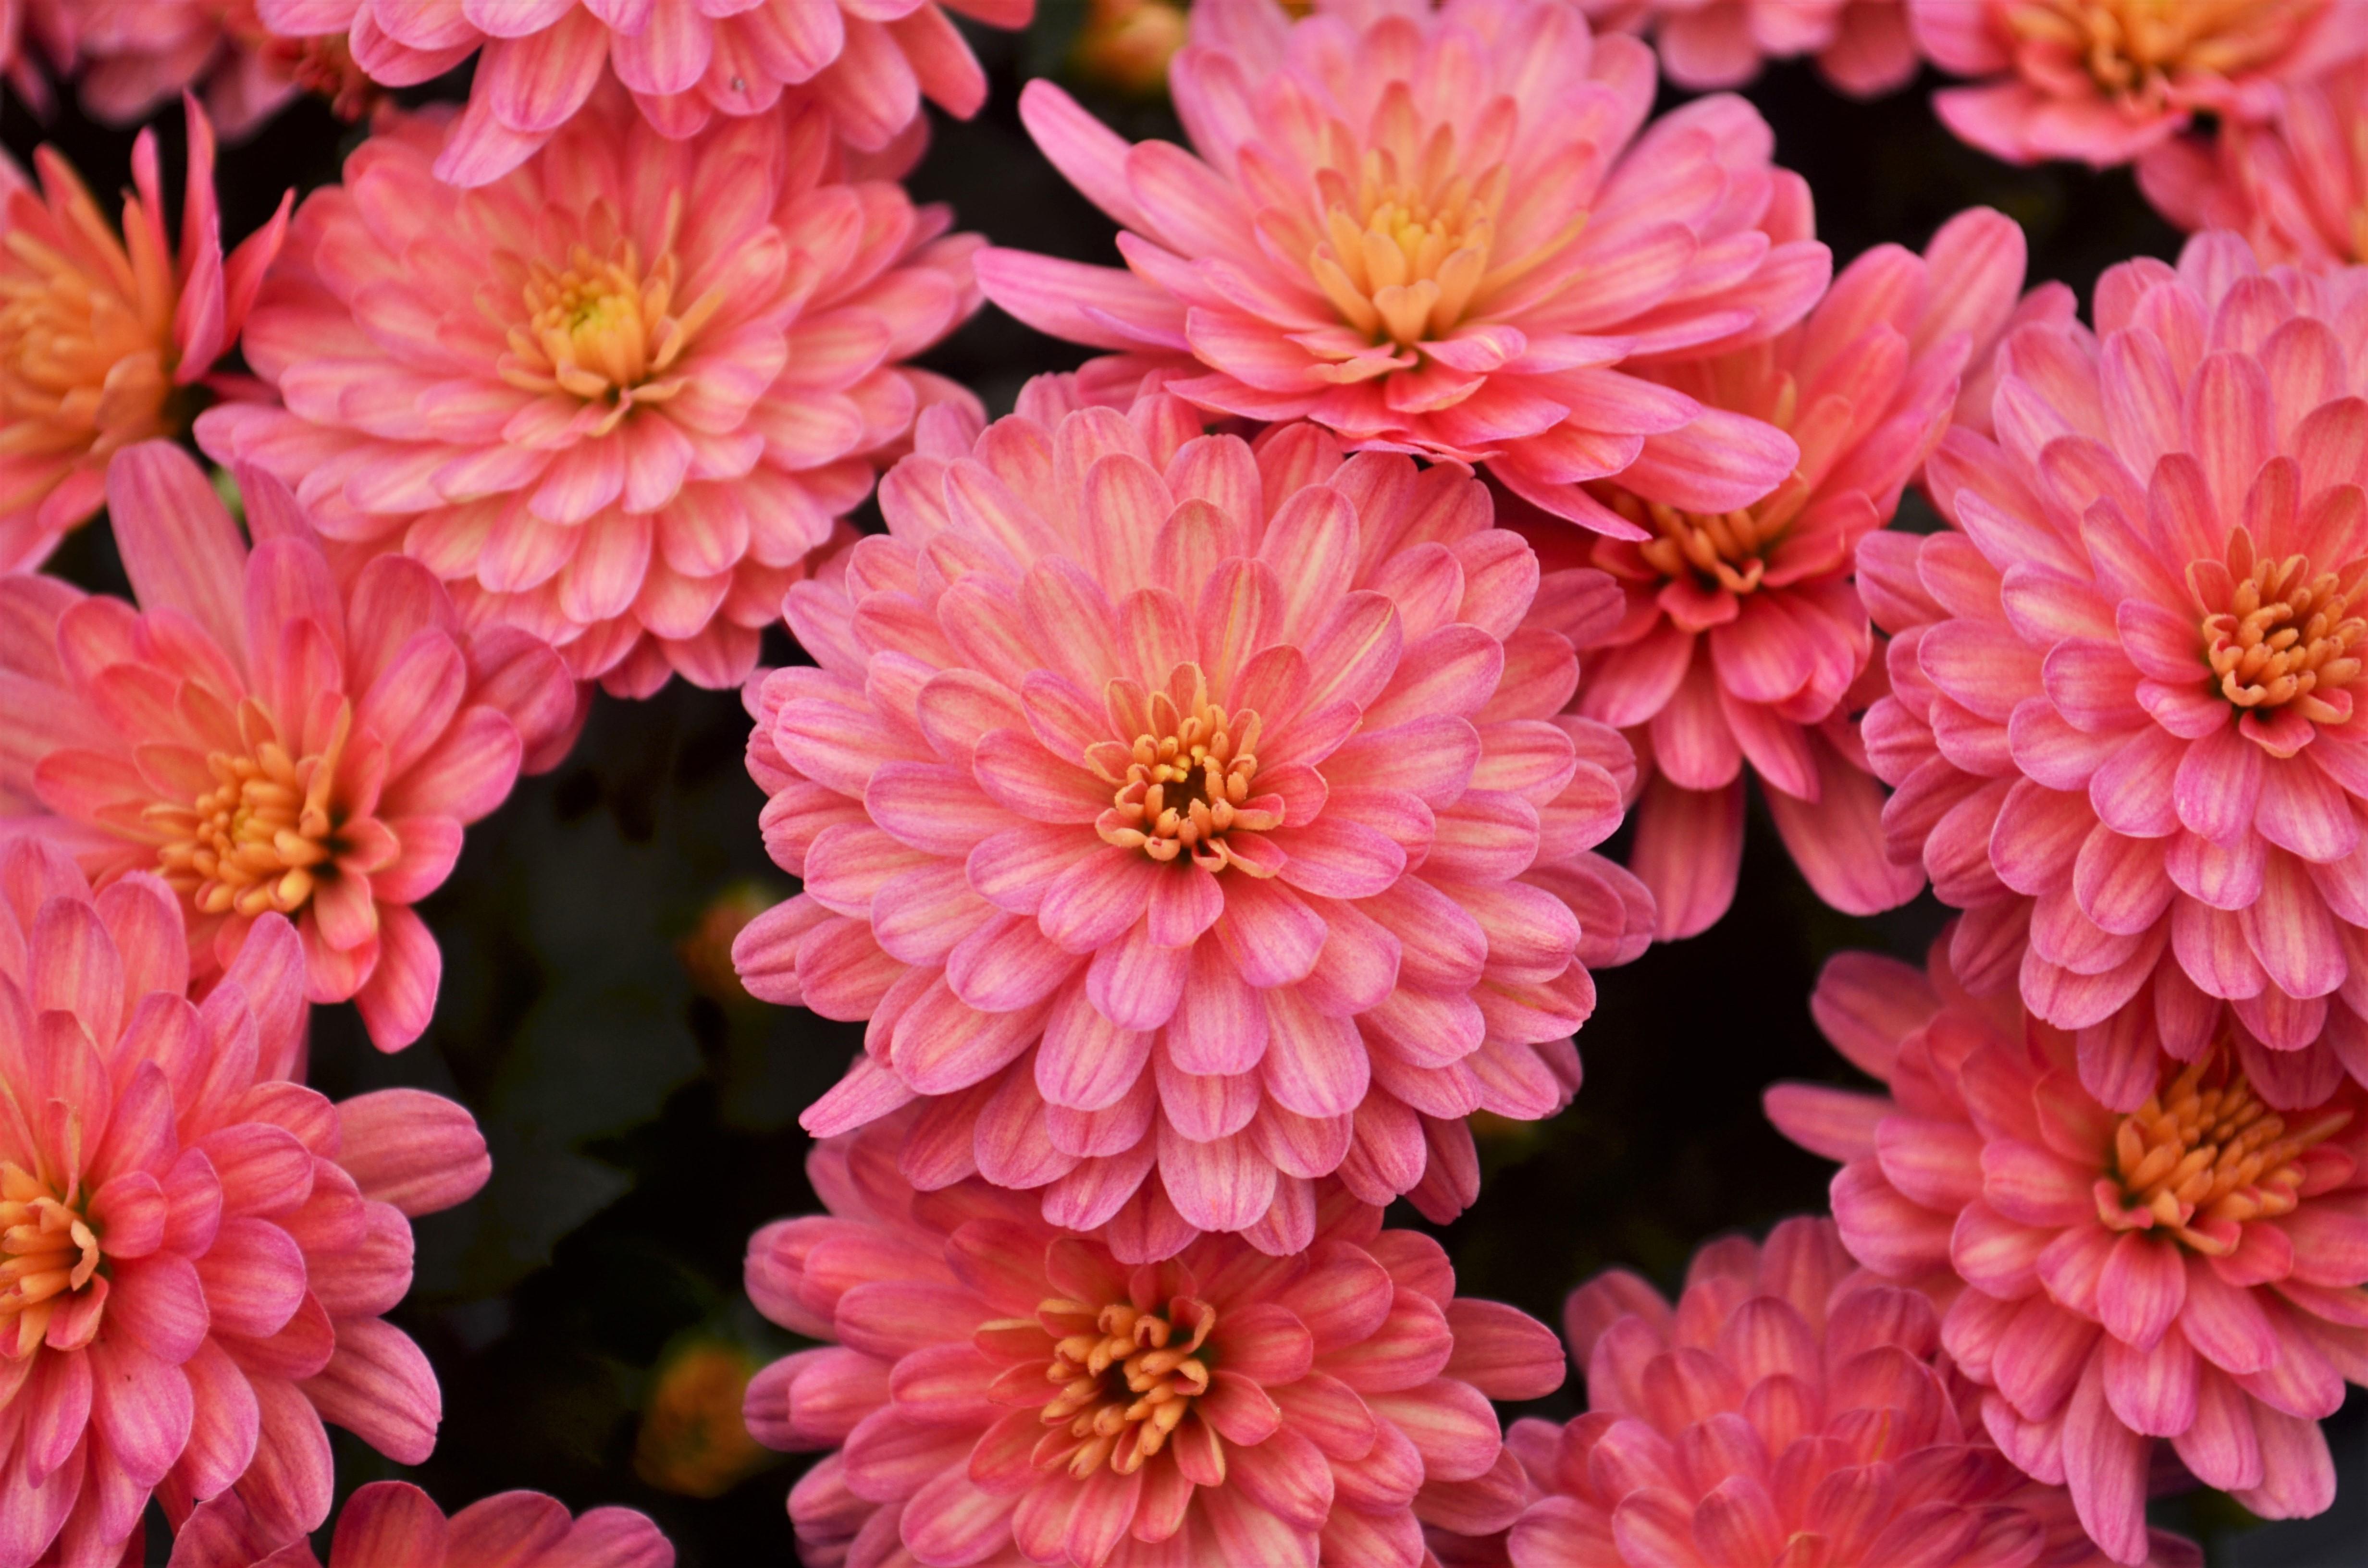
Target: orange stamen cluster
606	328
1185	783
1125	1380
47	1251
1724	547
2203	1155
2285	635
2136	47
254	842
1406	249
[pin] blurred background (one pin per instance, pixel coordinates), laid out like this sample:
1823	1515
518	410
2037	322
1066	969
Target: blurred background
584	1313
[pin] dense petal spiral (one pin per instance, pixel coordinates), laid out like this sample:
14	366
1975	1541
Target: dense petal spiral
104	332
194	1251
1191	819
393	1524
615	398
867	63
1788	1412
2123	721
2104	80
266	738
1002	1392
2296	187
1441	232
2188	1269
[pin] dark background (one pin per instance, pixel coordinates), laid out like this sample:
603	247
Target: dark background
643	1117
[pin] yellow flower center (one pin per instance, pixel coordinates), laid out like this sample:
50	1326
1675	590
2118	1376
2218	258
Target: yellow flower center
2203	1154
256	840
2134	48
47	1251
606	327
1724	549
1185	783
2285	634
1124	1381
1406	249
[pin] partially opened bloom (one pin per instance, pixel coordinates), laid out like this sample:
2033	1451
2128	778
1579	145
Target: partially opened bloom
129	58
1001	1391
2295	187
1745	641
614	399
1439	231
868	63
1191	821
393	1524
2191	1268
1864	47
2104	80
1787	1412
2122	719
270	741
194	1251
104	333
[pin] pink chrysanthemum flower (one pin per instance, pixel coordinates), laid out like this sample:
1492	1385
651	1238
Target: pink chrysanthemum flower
868	63
2295	187
2191	1268
102	334
194	1251
268	741
1745	643
1862	47
1001	1391
615	398
2123	713
1788	1411
1441	233
129	58
1191	821
2102	80
393	1524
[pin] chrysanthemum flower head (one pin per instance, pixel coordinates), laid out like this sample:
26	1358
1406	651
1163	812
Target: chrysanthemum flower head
1002	1392
270	741
1862	47
194	1251
393	1524
1788	1411
868	64
2188	1269
103	333
1191	819
617	397
2295	187
1439	230
2125	711
1745	643
2104	80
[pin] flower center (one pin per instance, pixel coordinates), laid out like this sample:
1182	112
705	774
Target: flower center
2203	1155
1125	1380
2136	46
254	841
1186	783
1726	548
1405	248
606	328
2275	632
47	1250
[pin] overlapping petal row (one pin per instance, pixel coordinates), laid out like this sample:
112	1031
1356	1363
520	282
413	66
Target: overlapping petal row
106	332
867	63
1744	642
393	1524
614	399
1192	819
129	58
2122	720
2104	81
2295	187
1788	1411
195	1251
268	739
1443	231
2188	1269
1002	1392
1862	47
